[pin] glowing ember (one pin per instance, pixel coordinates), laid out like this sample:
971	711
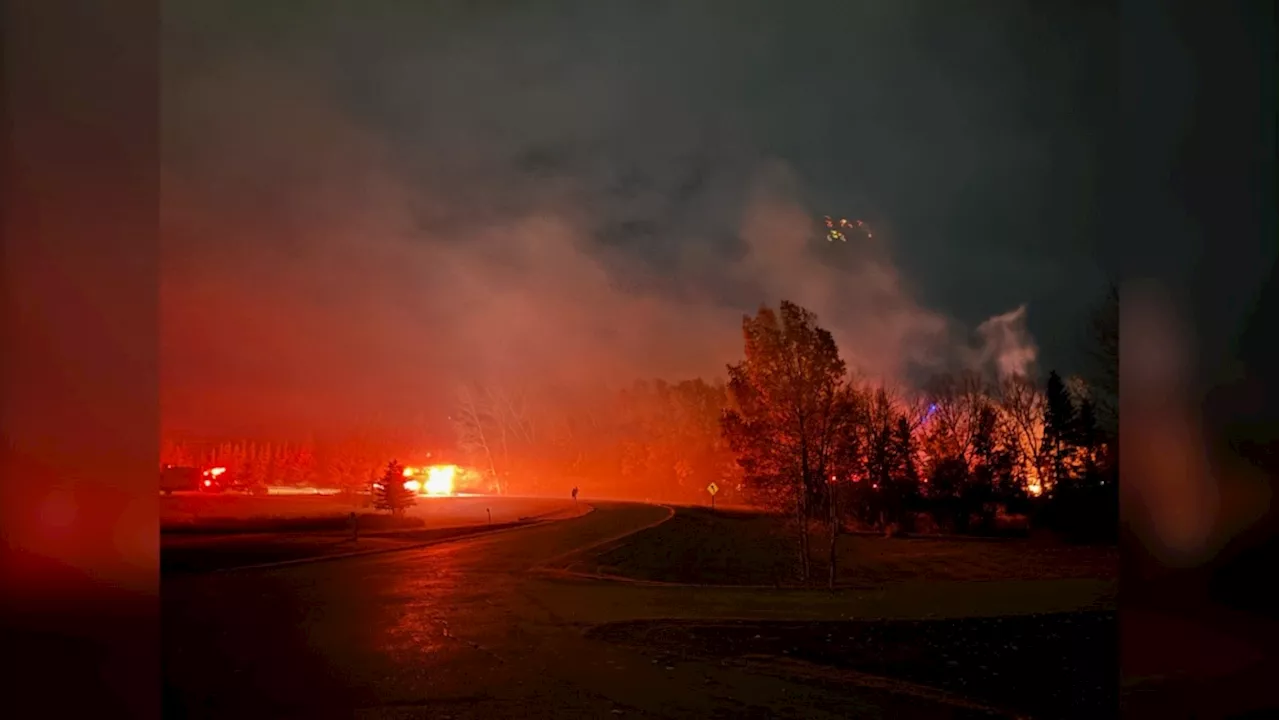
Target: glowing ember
412	485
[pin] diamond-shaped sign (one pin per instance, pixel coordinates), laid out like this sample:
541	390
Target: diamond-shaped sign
713	488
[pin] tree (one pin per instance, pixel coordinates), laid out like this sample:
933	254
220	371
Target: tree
1022	410
1059	430
992	477
903	476
877	457
947	478
474	421
790	415
1087	438
955	403
392	495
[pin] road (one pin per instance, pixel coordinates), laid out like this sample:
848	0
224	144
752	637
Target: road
184	508
470	629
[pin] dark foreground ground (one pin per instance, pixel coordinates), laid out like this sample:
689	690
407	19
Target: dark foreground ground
1045	666
747	548
469	629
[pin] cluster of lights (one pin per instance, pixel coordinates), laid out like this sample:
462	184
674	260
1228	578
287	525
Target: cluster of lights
211	474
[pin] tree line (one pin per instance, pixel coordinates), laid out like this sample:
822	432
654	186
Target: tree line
834	450
652	439
793	429
349	464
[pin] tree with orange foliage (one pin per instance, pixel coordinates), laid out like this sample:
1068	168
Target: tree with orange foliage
791	415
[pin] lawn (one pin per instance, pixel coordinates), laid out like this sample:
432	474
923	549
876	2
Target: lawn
747	548
1061	665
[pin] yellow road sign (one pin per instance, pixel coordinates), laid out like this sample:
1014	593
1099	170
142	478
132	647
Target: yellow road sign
713	489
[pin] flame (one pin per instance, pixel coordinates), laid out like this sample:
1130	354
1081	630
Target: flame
412	485
440	479
410	472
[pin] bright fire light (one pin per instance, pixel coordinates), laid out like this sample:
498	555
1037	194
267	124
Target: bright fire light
412	485
440	479
410	472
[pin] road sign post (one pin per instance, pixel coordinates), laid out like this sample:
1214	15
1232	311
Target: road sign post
713	489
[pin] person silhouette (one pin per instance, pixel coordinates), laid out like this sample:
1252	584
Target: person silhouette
575	493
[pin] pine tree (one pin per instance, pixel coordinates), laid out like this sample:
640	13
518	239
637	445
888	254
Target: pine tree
904	476
1059	429
980	490
1086	438
392	494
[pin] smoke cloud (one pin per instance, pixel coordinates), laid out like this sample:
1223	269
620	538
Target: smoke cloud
1007	345
325	273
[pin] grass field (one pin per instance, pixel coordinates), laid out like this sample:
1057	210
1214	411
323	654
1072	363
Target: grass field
746	548
1061	665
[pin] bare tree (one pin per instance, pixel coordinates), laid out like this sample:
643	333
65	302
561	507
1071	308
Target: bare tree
1022	407
474	422
956	403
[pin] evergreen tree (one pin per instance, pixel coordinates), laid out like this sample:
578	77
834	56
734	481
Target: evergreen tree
980	491
1087	438
1060	430
392	494
904	476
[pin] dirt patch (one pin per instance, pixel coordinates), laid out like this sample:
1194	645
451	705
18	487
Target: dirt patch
742	548
1046	666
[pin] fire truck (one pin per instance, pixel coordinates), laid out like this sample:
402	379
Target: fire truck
179	478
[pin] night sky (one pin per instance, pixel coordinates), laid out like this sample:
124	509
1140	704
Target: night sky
365	203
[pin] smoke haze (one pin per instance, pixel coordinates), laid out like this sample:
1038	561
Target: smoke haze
340	255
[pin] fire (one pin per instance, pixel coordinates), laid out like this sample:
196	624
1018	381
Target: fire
412	485
440	479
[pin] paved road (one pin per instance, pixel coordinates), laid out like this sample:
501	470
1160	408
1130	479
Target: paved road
466	630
